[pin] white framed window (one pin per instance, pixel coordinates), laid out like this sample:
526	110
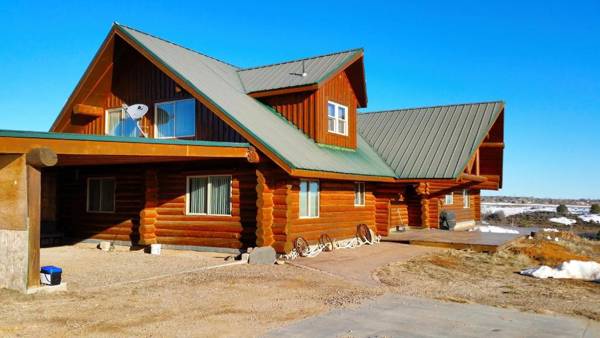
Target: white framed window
100	195
337	118
466	199
449	199
119	123
208	195
359	194
175	119
309	199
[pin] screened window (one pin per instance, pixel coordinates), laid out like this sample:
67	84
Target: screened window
101	194
359	193
119	123
337	118
209	195
466	199
176	119
309	199
449	200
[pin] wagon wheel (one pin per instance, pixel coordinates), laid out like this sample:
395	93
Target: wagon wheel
363	233
326	242
301	246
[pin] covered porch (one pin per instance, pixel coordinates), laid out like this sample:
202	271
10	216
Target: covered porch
31	164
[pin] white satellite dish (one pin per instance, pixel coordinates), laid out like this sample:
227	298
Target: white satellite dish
136	112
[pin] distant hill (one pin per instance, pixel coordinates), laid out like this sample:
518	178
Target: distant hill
537	200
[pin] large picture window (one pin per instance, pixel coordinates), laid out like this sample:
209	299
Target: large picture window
119	123
101	194
337	118
175	119
309	199
209	195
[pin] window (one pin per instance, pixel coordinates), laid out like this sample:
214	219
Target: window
209	195
466	201
337	118
119	123
309	199
101	194
449	200
359	194
175	119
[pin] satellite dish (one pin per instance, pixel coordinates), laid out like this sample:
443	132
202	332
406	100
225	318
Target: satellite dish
136	112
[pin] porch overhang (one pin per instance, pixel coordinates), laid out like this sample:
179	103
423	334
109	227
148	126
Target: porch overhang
80	149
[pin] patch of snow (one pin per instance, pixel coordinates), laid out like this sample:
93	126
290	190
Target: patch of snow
572	269
550	230
510	209
562	220
494	229
590	218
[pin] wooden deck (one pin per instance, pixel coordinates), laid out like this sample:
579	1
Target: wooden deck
473	240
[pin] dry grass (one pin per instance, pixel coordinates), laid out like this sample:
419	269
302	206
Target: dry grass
469	277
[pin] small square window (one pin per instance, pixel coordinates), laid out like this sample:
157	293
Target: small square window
449	199
119	123
175	119
101	195
337	118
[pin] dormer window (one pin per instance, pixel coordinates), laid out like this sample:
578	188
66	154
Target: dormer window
337	118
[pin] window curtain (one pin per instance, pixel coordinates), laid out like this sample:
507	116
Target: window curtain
220	195
314	198
198	193
304	198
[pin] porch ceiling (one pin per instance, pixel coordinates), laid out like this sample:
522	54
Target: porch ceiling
80	149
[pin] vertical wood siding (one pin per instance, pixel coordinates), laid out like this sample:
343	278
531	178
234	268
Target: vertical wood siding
136	80
298	108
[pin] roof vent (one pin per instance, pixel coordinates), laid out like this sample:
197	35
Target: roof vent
303	74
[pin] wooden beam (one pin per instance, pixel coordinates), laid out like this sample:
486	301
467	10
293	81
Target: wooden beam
283	91
87	110
20	145
41	157
498	145
474	178
338	176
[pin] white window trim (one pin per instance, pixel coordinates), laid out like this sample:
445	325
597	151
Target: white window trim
309	200
336	119
87	196
106	112
449	196
156	104
208	195
466	199
364	193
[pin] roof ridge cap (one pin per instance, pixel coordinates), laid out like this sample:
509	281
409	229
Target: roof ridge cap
434	106
180	46
301	59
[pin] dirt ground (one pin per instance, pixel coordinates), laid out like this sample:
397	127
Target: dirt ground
239	300
469	277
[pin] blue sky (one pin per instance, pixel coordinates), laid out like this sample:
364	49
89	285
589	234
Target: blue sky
542	58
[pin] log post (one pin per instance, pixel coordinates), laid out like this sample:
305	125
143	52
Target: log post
264	210
148	214
36	159
425	212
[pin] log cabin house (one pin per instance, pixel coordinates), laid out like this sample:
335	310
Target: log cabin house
237	157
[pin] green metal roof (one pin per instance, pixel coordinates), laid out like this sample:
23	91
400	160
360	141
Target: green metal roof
105	138
290	74
215	81
430	142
